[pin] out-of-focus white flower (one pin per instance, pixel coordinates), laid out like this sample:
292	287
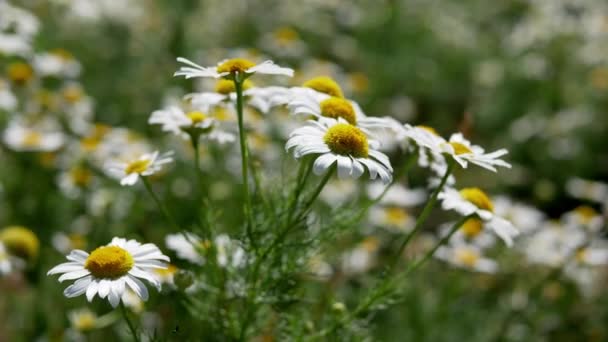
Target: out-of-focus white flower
552	244
338	142
8	100
40	137
587	190
108	270
525	217
6	263
584	217
393	218
176	121
146	165
397	194
469	201
230	67
58	63
187	246
466	256
361	258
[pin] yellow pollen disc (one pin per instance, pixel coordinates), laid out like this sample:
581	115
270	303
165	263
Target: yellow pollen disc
581	255
335	107
477	197
137	166
370	244
109	262
19	72
395	215
324	84
224	86
235	65
81	176
77	241
221	114
428	129
359	81
586	213
467	257
165	272
196	117
346	139
460	148
20	241
72	94
32	139
85	322
63	54
472	227
285	35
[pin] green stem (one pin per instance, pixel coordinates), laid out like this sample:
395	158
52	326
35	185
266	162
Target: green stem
238	85
126	317
318	190
426	211
160	205
303	174
194	138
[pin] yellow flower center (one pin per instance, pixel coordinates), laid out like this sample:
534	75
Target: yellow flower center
472	227
395	215
346	139
19	72
235	65
196	117
324	84
224	86
585	213
428	129
72	94
370	244
21	242
137	166
581	255
77	241
63	54
335	107
85	321
477	197
221	114
109	262
460	148
285	35
81	176
32	139
467	257
166	272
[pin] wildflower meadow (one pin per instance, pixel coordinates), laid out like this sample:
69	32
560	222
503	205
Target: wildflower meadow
279	170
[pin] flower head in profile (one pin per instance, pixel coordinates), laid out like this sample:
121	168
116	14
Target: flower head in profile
110	269
458	148
473	201
177	121
230	68
33	138
467	256
20	242
148	164
338	142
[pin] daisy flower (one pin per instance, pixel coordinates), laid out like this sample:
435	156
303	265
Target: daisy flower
230	68
458	148
110	269
473	201
466	256
187	246
23	138
146	165
337	141
178	122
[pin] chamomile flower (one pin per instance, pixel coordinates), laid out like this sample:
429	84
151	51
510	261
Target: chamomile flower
466	256
458	148
230	68
6	264
473	201
110	269
178	122
146	165
337	141
187	246
20	242
33	138
395	219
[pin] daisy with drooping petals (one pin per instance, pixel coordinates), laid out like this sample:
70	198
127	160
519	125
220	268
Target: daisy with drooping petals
337	141
230	68
110	269
178	122
466	256
459	148
146	165
473	201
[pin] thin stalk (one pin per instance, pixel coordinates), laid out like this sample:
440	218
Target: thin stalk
160	205
131	326
426	211
318	190
194	138
238	85
303	174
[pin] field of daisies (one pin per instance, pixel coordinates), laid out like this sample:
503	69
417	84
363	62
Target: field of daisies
281	170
